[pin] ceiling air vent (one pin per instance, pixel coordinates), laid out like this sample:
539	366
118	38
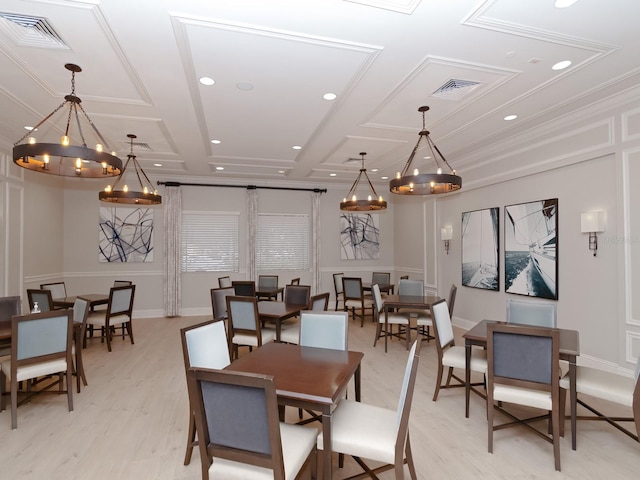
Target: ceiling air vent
140	146
30	31
455	89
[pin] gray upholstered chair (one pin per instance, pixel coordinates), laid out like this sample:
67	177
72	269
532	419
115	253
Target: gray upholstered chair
319	302
383	279
375	433
244	324
42	297
119	312
450	355
224	282
245	288
58	289
219	301
531	312
295	281
239	432
122	283
385	324
522	369
355	299
40	347
297	295
204	346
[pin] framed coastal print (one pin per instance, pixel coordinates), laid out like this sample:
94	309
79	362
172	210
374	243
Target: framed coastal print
480	247
359	236
531	249
125	235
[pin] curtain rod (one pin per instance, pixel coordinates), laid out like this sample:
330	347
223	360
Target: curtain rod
248	187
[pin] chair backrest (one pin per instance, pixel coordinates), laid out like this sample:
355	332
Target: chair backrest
452	299
121	301
411	287
295	281
219	301
352	288
319	302
324	330
236	419
81	308
43	297
337	283
267	281
406	392
9	306
523	356
404	277
245	288
224	282
442	324
377	300
381	278
529	312
41	337
297	294
205	345
58	289
122	283
243	317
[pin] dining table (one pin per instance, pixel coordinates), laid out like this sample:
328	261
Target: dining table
367	286
395	302
306	377
95	299
277	312
569	351
269	292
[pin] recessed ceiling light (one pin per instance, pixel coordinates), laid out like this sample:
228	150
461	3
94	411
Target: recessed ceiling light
297	147
27	127
564	3
427	157
508	118
384	178
561	65
329	96
216	142
207	81
219	168
375	170
246	86
332	174
157	164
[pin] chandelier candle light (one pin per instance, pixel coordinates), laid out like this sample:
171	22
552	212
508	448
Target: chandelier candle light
147	194
64	158
373	202
412	182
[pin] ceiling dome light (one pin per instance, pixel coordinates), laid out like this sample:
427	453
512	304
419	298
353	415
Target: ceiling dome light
207	81
561	65
373	202
508	118
329	96
425	183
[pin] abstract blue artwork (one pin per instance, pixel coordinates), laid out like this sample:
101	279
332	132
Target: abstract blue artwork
126	235
359	236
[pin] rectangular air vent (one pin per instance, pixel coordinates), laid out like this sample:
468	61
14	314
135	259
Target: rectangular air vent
455	89
30	31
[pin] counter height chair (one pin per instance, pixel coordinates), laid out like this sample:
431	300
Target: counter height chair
119	312
337	288
43	297
58	289
244	288
40	346
376	433
204	345
611	387
450	355
239	432
385	324
355	299
522	369
224	282
244	325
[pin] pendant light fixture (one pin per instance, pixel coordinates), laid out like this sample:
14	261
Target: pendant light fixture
373	201
66	158
412	182
147	194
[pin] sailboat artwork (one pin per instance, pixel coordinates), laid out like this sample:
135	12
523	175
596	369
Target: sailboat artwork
480	247
531	249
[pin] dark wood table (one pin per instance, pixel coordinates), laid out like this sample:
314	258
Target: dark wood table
306	377
569	350
270	293
366	286
95	299
277	312
393	302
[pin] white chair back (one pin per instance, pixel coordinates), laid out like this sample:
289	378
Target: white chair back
377	297
80	310
324	330
529	312
406	394
411	287
207	346
442	321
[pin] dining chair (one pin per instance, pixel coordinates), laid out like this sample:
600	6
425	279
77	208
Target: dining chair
122	283
239	431
42	297
354	298
9	306
383	279
530	312
219	301
522	369
337	288
204	345
244	324
40	347
297	295
450	355
424	319
245	288
268	283
224	282
58	289
119	312
319	302
80	316
385	324
612	388
366	431
295	281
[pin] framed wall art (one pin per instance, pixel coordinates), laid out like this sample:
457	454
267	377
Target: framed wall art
125	235
480	249
531	249
359	236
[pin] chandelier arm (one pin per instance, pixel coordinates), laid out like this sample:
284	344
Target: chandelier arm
371	185
137	167
95	129
40	123
441	155
354	185
115	184
80	132
413	154
145	176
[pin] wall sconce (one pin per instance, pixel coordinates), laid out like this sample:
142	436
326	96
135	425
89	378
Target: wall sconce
592	223
446	234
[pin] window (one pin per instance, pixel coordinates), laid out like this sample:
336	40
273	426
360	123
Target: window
283	242
209	242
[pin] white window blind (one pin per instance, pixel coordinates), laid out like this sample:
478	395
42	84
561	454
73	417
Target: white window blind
283	242
209	242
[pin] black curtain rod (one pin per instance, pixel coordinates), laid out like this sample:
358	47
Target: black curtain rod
247	187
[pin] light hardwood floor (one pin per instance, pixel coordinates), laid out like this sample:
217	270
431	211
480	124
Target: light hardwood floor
130	422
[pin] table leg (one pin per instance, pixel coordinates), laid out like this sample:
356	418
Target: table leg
356	377
326	446
573	397
278	328
467	377
386	328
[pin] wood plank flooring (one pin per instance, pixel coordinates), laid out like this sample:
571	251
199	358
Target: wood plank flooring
131	421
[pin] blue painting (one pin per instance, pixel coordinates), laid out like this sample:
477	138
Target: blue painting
126	235
359	236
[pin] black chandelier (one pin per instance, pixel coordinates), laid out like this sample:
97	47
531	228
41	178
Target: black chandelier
410	182
147	194
65	158
374	202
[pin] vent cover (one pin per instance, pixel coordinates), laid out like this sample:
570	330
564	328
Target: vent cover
352	160
455	89
140	145
30	31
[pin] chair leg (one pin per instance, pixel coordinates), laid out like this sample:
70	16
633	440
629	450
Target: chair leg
130	331
14	404
438	381
490	422
378	332
409	459
69	388
3	388
191	438
555	419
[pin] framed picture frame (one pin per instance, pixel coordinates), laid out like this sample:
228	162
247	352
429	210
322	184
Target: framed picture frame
531	249
481	249
359	236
